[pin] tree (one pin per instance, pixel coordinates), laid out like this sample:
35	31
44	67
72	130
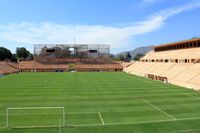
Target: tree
128	57
5	53
122	58
13	58
138	56
31	56
22	53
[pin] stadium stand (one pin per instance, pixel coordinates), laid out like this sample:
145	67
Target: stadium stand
177	63
99	67
13	65
5	68
60	58
125	64
33	66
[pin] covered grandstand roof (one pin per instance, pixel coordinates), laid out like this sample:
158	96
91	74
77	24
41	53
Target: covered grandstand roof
178	42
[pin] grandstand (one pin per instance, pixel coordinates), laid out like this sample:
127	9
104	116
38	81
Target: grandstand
60	57
176	63
98	67
33	66
7	68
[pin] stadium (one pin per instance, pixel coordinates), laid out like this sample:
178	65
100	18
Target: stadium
75	88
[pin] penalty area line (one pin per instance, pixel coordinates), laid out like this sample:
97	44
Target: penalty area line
159	109
101	118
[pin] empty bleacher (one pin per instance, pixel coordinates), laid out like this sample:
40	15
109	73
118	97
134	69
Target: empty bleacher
33	66
98	67
178	62
5	68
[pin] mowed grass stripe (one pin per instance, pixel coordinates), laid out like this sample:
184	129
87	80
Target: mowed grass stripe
107	93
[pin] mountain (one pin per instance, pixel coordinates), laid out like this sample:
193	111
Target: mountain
134	52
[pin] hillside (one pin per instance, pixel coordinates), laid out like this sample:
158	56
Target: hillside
141	50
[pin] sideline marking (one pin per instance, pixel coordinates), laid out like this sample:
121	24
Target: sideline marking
101	118
118	123
187	130
142	122
159	109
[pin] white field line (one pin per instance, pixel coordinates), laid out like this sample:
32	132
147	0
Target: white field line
101	118
81	113
68	113
22	108
142	122
15	127
118	123
159	109
187	130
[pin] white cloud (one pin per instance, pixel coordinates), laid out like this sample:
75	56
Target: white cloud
47	32
180	9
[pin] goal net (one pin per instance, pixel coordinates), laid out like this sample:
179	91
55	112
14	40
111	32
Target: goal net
32	117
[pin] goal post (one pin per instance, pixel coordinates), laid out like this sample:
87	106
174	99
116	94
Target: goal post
34	117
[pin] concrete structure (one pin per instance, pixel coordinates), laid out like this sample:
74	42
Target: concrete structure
187	51
70	57
7	68
177	63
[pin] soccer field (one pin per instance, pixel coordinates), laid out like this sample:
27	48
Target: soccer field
96	103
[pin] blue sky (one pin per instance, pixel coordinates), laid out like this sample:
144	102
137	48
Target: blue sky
124	24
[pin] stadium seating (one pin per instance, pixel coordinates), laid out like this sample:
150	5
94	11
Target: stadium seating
178	62
181	55
33	66
126	64
184	74
5	68
195	79
98	67
175	70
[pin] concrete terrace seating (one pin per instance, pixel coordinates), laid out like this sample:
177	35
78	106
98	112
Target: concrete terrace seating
13	65
125	64
151	68
184	74
163	67
99	67
177	63
192	53
131	67
5	68
33	66
27	66
196	78
188	74
176	70
136	67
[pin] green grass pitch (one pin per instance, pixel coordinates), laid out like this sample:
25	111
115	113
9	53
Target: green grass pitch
97	103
